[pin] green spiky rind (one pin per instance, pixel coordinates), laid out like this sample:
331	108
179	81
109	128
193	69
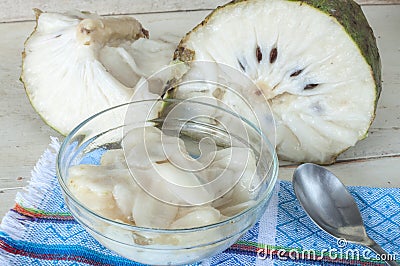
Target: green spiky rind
350	15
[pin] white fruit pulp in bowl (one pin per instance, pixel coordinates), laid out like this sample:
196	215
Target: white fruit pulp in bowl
160	246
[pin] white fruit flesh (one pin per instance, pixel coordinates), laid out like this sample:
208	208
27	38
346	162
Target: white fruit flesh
156	193
151	212
320	87
198	217
99	188
76	65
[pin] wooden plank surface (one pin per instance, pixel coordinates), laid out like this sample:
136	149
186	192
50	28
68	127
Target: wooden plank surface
378	2
21	10
24	137
380	172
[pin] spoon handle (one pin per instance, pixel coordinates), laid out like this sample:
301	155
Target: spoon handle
389	259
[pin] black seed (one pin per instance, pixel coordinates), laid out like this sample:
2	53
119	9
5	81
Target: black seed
310	86
273	55
162	162
258	54
241	65
85	31
59	35
296	73
145	33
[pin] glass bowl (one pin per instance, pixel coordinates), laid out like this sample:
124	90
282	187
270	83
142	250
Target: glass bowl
106	131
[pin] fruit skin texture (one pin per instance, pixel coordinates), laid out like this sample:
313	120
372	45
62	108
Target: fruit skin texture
351	18
349	14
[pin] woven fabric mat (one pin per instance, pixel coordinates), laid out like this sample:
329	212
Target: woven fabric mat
39	230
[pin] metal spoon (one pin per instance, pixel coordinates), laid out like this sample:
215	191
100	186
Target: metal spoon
330	205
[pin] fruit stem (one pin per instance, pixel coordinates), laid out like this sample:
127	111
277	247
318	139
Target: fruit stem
110	31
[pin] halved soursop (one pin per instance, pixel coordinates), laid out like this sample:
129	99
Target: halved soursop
315	61
78	63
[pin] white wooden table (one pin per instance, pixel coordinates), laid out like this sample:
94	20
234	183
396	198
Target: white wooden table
374	161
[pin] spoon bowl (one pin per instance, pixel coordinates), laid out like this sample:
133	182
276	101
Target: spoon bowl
330	205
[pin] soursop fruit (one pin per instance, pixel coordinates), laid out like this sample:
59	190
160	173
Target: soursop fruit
316	63
77	64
